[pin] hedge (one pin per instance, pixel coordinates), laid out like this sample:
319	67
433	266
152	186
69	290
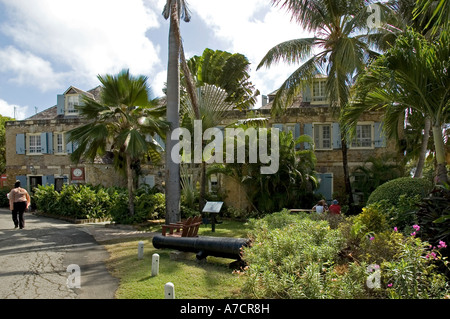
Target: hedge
392	190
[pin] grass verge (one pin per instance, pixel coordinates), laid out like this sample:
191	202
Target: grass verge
192	279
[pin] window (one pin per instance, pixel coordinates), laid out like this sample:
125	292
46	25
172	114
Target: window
72	102
322	136
290	128
213	184
363	137
319	94
59	143
34	144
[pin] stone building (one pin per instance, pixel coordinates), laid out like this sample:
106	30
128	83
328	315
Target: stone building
37	151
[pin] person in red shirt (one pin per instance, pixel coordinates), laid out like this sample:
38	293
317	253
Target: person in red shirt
335	208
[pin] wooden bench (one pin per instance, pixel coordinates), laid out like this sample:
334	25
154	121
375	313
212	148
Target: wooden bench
189	228
298	210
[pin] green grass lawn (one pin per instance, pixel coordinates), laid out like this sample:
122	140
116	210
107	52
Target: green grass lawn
192	279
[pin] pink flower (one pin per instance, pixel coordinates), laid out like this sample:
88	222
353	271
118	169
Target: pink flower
372	238
395	229
416	227
442	244
413	233
389	285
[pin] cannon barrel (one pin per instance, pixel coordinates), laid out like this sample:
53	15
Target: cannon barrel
204	246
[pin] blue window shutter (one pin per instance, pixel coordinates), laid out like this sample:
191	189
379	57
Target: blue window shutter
20	144
49	143
297	134
60	105
278	126
336	133
308	130
23	180
69	148
48	180
379	138
44	143
306	94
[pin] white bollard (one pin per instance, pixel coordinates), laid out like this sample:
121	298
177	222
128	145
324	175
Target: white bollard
155	265
169	291
140	250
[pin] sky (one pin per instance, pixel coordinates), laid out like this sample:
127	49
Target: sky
46	46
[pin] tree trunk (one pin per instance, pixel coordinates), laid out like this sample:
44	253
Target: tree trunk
348	185
423	149
130	185
441	169
172	169
203	180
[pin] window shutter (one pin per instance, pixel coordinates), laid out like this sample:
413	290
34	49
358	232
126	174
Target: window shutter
20	143
69	148
308	130
297	134
336	134
50	143
60	105
379	138
23	180
48	180
278	126
44	143
306	94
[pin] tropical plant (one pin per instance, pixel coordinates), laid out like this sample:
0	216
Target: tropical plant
336	50
291	186
435	14
414	74
121	122
222	82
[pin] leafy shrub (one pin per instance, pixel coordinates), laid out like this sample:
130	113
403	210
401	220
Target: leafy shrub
373	219
288	255
4	202
392	190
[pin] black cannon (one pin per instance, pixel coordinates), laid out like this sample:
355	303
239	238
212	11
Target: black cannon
204	246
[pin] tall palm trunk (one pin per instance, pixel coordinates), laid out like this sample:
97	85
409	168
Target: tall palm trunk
130	185
172	170
423	149
348	185
441	169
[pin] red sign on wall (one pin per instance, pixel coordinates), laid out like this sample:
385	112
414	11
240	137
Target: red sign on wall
77	173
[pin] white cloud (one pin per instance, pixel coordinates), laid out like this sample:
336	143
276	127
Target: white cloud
28	69
11	110
252	28
84	38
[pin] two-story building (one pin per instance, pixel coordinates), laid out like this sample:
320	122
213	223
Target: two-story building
38	150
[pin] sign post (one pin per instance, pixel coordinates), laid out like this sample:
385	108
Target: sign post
212	208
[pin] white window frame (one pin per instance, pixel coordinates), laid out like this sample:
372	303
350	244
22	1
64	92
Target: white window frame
35	149
322	98
70	105
319	146
358	132
56	144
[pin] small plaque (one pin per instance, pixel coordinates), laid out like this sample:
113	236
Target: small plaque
212	207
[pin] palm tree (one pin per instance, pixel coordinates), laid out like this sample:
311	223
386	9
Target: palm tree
222	81
121	122
414	74
174	9
434	13
336	50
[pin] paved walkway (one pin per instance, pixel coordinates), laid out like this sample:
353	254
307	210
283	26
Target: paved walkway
34	260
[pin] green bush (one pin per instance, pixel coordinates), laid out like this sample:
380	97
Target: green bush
392	190
4	202
287	256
